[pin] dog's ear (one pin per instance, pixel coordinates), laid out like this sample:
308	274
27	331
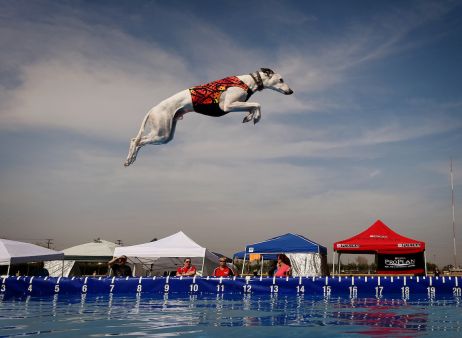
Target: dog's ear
268	72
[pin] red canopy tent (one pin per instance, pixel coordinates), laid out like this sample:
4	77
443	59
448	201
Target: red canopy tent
395	254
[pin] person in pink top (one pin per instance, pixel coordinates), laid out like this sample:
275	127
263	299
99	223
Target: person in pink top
284	268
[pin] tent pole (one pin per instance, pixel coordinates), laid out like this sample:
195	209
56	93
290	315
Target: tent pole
261	268
338	262
8	271
62	269
333	264
425	262
243	263
376	261
203	263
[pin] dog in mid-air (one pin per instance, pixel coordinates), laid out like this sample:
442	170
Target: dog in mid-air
216	98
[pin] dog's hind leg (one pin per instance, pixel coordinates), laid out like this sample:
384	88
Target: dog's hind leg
164	135
132	152
161	124
134	142
178	116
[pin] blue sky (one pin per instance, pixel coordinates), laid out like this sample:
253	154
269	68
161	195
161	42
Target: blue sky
368	134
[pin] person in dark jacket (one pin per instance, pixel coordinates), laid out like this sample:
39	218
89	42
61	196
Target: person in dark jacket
119	267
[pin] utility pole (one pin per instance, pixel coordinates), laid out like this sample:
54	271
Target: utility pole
119	242
453	218
49	242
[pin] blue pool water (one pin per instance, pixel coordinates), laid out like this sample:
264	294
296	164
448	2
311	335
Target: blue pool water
228	316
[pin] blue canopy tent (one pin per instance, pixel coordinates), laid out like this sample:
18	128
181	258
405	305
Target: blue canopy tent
306	256
286	243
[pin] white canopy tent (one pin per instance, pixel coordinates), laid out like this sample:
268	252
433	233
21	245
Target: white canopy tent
93	250
13	252
167	254
97	251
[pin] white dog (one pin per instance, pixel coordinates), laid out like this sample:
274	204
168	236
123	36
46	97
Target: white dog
214	99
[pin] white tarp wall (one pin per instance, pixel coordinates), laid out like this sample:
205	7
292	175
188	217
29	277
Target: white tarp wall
307	264
59	268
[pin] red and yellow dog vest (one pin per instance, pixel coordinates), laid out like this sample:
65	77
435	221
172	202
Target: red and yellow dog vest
206	98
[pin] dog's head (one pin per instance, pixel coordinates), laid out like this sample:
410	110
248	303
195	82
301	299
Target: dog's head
274	81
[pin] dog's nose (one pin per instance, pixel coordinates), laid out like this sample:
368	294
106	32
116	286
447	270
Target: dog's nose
290	92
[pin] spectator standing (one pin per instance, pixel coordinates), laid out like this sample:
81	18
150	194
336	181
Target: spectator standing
119	267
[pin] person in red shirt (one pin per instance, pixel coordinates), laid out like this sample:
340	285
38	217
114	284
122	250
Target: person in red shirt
222	270
187	269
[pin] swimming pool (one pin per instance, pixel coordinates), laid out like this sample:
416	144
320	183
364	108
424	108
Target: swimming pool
228	315
244	307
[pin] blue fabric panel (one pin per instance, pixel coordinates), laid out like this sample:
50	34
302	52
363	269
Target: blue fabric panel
353	287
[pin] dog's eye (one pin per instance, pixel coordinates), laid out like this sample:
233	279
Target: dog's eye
281	80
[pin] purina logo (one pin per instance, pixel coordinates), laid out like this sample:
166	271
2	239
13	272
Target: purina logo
378	236
408	245
347	245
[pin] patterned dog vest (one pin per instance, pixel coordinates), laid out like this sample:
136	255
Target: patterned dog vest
206	98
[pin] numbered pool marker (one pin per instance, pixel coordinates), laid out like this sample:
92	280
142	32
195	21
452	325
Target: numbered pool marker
353	291
193	288
274	288
457	291
84	286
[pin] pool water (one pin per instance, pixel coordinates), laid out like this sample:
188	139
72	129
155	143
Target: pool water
228	316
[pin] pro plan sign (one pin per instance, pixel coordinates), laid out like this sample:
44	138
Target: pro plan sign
400	262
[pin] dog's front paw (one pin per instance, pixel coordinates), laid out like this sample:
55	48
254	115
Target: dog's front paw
248	118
